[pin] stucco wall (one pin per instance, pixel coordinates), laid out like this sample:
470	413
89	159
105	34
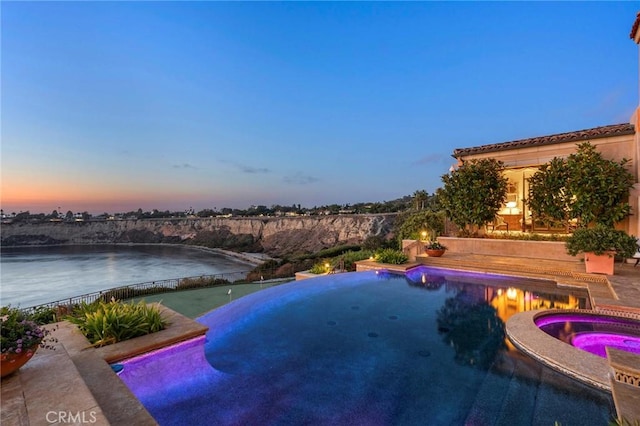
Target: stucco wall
551	250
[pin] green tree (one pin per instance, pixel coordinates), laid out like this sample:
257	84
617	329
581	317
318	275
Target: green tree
599	187
420	198
549	198
584	186
411	225
473	194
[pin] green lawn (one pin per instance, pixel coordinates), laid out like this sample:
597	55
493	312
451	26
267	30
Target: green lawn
194	303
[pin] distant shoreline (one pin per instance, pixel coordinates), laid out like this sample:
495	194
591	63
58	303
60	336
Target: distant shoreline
252	258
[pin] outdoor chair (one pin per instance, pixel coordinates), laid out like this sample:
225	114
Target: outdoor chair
497	223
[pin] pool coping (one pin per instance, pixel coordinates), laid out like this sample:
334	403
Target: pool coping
583	366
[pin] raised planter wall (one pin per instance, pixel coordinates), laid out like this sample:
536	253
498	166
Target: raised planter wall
550	250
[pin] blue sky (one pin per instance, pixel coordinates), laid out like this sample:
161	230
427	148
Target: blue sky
115	106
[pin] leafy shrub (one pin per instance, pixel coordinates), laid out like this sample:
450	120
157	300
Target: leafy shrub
329	253
104	323
411	226
527	237
345	261
130	292
600	239
394	257
320	268
44	315
351	257
200	282
375	242
267	266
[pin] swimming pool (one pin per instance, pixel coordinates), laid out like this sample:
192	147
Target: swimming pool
369	348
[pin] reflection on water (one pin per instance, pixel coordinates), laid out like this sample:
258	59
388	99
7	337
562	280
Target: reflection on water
507	295
35	275
476	305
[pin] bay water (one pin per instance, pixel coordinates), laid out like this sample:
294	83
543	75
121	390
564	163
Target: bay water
35	275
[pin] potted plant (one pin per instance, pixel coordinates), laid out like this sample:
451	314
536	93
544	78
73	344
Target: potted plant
21	337
434	249
600	245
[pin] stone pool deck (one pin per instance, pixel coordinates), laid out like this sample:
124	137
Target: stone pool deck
72	385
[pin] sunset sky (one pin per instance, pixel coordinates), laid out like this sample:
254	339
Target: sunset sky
115	106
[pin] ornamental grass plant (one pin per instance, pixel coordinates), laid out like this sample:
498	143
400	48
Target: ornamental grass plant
105	323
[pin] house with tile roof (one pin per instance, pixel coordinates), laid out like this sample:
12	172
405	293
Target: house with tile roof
522	158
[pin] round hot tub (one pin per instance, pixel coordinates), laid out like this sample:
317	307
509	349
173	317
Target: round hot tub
592	332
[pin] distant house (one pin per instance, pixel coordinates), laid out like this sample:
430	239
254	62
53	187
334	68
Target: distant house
522	158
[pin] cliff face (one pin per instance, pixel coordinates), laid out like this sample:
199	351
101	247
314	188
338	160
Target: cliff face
273	236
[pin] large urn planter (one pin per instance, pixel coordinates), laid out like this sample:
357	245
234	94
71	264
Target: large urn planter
600	245
434	252
434	249
21	337
599	263
11	362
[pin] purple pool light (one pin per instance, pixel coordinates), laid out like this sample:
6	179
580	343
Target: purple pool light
165	371
592	332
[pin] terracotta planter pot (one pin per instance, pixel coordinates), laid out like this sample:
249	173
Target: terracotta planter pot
434	252
599	263
10	363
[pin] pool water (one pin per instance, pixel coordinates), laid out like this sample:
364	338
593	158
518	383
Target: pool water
361	348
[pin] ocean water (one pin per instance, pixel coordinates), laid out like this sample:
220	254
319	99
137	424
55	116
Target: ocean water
35	275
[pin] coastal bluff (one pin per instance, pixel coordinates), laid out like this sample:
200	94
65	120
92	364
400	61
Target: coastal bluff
275	236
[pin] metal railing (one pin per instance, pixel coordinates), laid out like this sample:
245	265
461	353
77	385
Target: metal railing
146	288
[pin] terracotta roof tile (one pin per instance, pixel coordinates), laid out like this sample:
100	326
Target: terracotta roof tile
634	29
577	136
